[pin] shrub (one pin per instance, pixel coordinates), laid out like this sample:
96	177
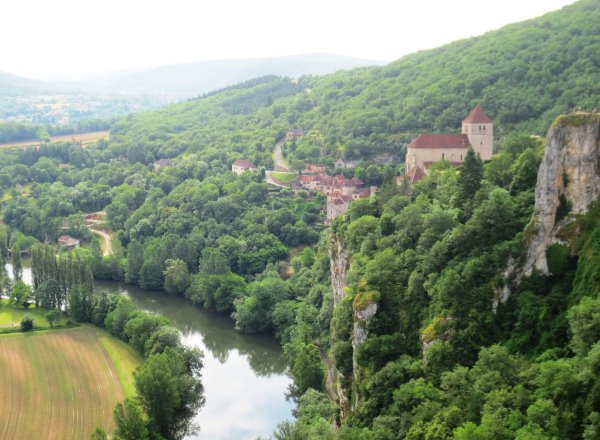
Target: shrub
27	323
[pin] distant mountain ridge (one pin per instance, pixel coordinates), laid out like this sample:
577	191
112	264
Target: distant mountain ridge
193	79
189	79
12	85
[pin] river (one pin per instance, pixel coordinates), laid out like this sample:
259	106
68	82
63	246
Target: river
244	376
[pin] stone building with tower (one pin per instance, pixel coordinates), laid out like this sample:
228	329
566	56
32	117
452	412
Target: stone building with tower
428	148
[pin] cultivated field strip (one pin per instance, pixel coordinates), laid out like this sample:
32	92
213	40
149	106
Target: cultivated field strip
56	385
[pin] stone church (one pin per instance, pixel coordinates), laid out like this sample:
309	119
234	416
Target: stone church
428	148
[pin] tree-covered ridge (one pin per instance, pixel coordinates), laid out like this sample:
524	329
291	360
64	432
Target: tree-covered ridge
437	362
524	75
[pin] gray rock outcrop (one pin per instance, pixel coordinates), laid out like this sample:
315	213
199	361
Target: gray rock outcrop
568	182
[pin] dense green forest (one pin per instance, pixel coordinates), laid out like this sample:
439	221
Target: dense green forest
437	362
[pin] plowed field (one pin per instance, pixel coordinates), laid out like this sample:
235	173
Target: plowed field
56	385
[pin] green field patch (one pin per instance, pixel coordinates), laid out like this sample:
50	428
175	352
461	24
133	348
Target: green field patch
283	177
124	358
11	317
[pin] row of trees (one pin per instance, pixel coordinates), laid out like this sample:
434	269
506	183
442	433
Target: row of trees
168	384
63	281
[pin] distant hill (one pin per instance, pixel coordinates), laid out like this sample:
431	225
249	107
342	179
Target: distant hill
13	85
193	79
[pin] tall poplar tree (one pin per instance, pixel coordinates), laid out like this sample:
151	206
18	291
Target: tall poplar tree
16	263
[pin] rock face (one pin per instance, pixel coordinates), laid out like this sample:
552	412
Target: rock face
361	330
568	182
339	262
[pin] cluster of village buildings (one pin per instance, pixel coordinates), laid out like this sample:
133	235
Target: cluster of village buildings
340	191
477	131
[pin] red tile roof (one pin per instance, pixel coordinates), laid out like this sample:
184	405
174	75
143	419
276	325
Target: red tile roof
477	116
441	140
415	173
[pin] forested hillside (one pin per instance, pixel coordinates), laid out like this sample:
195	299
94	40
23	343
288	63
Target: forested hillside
406	344
417	347
524	75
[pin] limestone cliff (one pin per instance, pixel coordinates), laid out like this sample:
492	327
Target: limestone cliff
362	317
568	183
339	263
364	306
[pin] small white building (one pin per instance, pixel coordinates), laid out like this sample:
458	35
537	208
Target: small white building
241	166
67	242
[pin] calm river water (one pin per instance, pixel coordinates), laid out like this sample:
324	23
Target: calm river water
244	376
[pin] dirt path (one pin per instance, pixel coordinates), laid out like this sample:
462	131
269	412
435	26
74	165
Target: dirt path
106	246
280	164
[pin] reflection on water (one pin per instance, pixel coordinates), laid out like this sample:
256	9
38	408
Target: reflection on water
244	376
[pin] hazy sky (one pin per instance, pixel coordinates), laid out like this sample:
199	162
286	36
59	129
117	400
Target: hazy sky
71	38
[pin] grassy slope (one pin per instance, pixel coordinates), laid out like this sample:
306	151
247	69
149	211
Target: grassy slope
11	316
124	358
284	177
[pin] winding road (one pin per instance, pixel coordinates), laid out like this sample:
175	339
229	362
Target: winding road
280	164
107	247
92	223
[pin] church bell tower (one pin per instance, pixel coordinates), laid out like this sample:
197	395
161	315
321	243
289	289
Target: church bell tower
480	130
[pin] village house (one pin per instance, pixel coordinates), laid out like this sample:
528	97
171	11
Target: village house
330	184
340	191
162	163
241	166
67	242
338	203
336	206
429	148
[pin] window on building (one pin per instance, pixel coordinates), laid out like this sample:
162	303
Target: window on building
442	156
